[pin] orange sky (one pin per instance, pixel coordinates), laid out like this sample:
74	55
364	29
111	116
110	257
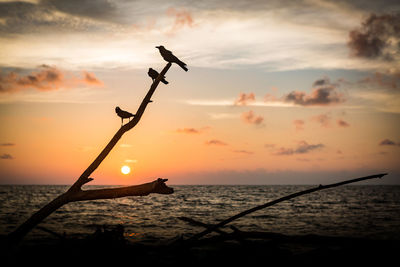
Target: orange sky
267	99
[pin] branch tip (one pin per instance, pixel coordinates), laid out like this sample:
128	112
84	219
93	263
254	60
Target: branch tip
161	188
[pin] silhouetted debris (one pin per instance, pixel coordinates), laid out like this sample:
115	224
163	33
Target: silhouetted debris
108	246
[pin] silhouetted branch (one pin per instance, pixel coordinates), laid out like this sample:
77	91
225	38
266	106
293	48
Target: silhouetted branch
75	192
268	204
198	223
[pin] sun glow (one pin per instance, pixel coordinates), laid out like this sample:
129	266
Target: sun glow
125	169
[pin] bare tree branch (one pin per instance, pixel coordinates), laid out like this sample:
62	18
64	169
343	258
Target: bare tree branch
75	192
268	204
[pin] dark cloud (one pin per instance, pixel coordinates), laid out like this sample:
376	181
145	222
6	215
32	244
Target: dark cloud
321	82
243	99
95	9
215	142
251	118
378	37
302	148
57	15
324	93
19	17
6	156
387	142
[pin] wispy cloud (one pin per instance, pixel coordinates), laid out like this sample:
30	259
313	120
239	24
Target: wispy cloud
215	142
190	130
182	18
243	99
299	124
91	79
7	144
323	119
342	123
302	148
250	118
382	80
229	102
388	142
6	156
245	152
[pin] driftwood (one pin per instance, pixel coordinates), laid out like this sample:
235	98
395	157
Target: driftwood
75	192
268	204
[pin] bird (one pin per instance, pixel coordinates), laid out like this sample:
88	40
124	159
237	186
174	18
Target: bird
169	57
154	74
123	114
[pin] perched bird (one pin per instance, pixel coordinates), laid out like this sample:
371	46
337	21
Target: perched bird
123	114
168	56
154	74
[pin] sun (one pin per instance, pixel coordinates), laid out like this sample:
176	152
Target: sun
125	169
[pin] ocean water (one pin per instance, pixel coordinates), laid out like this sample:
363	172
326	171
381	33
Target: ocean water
356	211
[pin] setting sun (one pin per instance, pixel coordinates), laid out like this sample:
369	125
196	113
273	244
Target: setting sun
125	169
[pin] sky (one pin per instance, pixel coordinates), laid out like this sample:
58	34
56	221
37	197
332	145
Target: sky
277	92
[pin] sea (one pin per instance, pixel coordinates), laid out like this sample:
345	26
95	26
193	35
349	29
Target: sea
367	211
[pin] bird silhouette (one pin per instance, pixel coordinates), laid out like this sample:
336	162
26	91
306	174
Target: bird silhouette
123	114
154	74
169	57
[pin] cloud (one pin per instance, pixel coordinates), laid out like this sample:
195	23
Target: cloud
7	144
342	123
47	78
98	9
192	130
321	82
302	148
188	131
299	124
243	99
269	146
385	80
377	38
251	118
324	94
182	18
90	78
215	142
323	119
246	152
6	156
388	142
